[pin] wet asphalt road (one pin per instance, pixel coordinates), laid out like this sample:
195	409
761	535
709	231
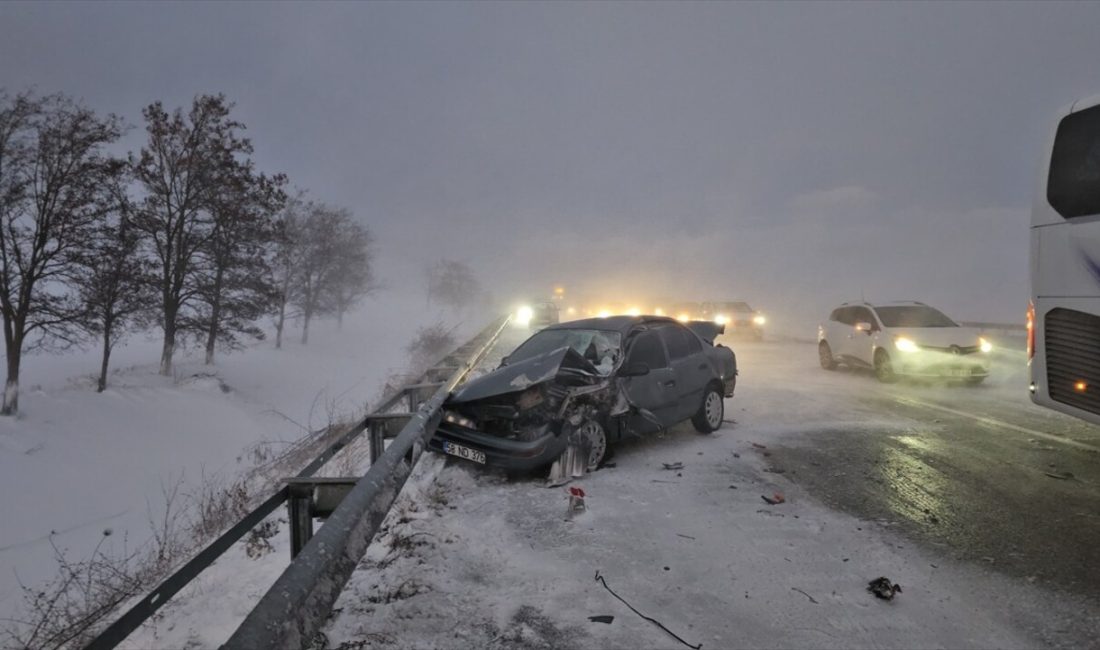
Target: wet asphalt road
975	473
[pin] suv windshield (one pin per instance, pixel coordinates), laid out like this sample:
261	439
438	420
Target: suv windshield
915	316
599	347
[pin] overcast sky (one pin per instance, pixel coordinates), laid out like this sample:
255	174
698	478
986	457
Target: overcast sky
791	154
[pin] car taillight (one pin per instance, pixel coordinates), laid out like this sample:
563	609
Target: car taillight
1030	330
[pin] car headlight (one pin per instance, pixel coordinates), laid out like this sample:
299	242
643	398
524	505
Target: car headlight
985	345
905	345
759	320
524	315
721	319
459	419
683	318
603	313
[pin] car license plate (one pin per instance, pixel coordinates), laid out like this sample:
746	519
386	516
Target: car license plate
464	452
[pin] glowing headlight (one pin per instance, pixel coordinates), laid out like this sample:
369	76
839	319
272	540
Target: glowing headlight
603	313
460	420
683	318
721	319
985	345
905	345
759	320
634	311
658	312
524	315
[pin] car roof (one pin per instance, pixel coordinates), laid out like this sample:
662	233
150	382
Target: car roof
863	303
620	324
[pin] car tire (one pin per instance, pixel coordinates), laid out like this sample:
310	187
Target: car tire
884	368
825	356
596	438
712	411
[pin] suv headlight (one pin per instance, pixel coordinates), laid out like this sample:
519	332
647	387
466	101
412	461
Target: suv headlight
459	419
905	345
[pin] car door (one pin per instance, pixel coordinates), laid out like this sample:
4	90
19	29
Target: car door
691	367
861	344
654	394
837	329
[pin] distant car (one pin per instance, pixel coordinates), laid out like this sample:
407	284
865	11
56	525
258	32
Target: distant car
739	318
687	311
898	339
544	314
588	384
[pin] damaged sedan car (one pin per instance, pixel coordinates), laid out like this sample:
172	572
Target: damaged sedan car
572	390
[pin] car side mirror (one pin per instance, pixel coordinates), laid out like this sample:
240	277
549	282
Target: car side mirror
863	327
634	370
503	362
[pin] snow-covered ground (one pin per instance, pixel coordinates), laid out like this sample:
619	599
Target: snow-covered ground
76	463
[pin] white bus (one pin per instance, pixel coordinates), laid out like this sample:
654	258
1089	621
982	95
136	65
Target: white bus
1064	312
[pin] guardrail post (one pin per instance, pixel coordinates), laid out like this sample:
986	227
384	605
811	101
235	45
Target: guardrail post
377	430
301	519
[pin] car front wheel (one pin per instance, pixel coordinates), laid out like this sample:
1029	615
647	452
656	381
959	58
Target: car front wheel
596	441
884	369
711	412
825	355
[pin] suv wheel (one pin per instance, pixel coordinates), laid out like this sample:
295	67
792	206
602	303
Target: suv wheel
825	355
884	369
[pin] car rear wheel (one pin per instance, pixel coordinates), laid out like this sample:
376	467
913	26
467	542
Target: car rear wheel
884	369
825	355
711	411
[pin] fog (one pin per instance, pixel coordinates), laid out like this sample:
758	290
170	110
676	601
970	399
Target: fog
793	155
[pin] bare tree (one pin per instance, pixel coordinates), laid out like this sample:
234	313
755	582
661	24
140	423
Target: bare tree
235	287
52	174
180	168
286	257
452	283
321	232
114	275
353	277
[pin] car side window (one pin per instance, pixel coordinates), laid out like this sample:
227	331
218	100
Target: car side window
863	315
680	342
845	315
838	315
648	349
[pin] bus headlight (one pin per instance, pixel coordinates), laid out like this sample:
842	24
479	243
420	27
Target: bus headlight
905	345
985	345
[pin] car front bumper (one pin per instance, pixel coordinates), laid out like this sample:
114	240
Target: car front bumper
501	452
944	366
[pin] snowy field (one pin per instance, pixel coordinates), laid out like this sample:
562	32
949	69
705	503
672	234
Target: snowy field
75	463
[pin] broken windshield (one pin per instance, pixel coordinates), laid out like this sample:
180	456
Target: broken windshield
598	347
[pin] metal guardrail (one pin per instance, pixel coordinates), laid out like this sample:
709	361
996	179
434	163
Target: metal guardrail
303	595
295	607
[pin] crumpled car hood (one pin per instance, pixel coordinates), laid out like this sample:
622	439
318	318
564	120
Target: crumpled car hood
521	375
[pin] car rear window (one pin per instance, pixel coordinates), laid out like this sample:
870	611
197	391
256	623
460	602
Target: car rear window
915	316
680	342
599	347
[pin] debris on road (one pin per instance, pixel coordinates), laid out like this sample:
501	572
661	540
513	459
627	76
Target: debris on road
1063	476
603	618
576	501
774	500
759	446
736	455
883	588
806	595
602	581
685	536
673	466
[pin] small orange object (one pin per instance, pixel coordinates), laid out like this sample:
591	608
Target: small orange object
1080	387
